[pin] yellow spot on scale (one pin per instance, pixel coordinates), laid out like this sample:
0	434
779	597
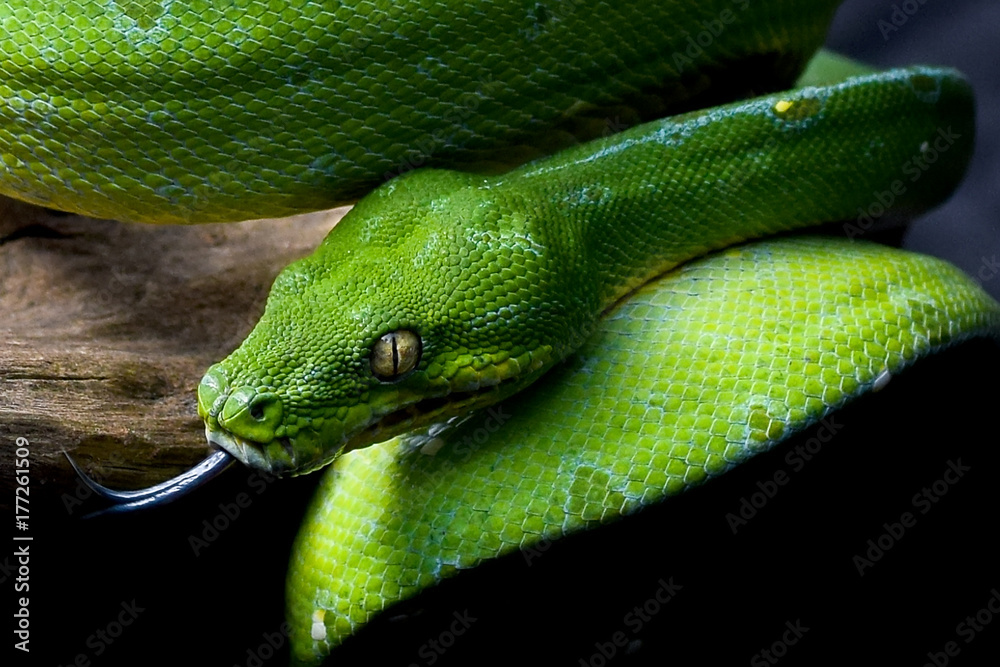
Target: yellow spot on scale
782	106
792	111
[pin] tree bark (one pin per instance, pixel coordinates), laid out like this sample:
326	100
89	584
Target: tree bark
108	327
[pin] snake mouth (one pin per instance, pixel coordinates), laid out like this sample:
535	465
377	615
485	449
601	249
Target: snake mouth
277	457
435	409
314	449
283	457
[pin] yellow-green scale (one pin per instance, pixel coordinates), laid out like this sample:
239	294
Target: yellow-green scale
712	364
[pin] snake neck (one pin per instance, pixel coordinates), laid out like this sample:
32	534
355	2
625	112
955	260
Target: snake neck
617	212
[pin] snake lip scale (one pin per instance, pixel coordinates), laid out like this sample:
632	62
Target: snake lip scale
426	411
250	454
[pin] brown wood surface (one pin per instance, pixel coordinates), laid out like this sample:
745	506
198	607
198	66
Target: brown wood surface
107	328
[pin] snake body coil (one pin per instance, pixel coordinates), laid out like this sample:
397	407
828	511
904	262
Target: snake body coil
443	291
218	110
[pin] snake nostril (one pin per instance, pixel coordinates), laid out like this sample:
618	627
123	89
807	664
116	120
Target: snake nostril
251	415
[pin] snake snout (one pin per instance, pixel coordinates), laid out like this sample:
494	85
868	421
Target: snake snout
245	412
249	423
251	415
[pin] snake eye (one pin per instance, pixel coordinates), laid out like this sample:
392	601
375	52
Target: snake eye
395	354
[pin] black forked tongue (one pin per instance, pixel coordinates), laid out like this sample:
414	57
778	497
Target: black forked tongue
160	494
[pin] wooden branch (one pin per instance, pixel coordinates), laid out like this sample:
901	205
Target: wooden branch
108	327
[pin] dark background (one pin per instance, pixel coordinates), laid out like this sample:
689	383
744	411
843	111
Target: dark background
791	563
964	34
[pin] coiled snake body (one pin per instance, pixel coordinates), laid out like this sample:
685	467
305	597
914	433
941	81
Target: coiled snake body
444	291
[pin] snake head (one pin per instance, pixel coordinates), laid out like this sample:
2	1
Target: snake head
417	308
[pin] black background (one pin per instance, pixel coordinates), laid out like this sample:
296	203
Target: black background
793	562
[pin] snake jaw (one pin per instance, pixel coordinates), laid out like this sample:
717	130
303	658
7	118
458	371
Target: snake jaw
427	411
317	447
423	412
280	456
249	454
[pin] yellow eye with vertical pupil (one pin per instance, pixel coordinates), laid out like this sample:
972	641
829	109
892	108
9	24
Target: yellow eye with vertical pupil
395	354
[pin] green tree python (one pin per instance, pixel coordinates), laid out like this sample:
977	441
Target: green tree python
612	295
